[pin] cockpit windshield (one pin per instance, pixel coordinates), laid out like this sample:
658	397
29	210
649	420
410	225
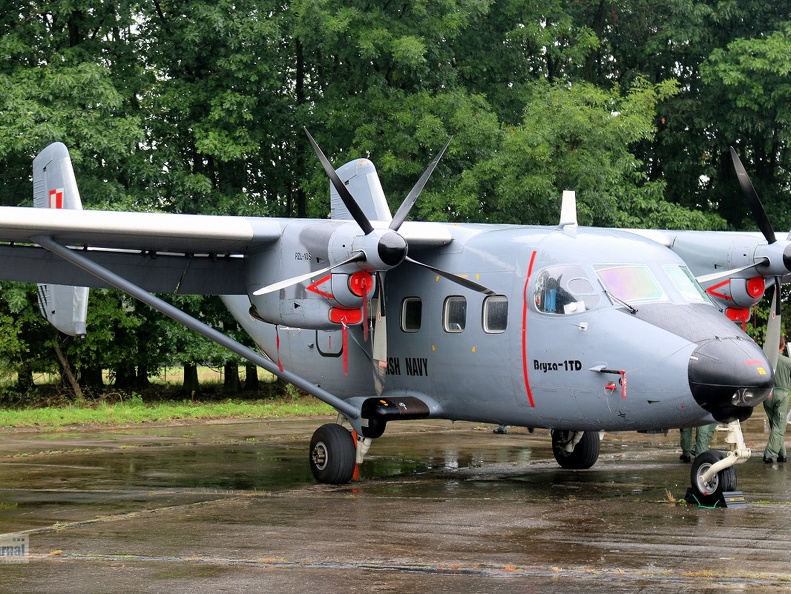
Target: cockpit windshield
631	282
568	288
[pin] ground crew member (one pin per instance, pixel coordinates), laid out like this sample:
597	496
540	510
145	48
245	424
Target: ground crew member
702	437
776	407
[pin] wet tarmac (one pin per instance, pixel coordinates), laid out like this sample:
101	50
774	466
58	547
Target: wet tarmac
231	507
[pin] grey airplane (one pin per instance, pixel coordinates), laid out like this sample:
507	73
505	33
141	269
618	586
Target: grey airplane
575	329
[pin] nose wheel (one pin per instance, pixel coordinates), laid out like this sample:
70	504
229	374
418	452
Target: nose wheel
713	472
708	487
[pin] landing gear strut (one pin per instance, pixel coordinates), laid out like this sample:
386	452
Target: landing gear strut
713	472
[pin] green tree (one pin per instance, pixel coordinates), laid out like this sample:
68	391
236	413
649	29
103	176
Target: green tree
751	79
576	137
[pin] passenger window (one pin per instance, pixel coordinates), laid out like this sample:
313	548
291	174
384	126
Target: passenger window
455	314
495	314
411	314
564	290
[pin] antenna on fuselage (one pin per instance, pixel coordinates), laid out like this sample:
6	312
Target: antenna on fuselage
568	210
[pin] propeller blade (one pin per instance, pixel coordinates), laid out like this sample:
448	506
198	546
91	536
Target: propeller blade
346	196
752	198
772	342
454	278
303	277
409	201
718	275
379	352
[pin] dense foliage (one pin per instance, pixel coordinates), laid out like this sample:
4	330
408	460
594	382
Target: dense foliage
198	106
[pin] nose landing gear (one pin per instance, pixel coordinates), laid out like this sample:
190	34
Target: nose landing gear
713	471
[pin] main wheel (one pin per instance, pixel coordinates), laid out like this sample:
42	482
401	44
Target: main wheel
584	454
332	454
710	492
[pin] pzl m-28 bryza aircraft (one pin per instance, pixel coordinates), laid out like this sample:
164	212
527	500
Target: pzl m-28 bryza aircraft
578	330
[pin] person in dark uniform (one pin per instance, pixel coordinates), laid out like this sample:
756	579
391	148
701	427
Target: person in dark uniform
702	437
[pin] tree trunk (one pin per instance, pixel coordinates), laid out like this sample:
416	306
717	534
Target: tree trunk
251	381
191	384
142	377
125	376
24	380
231	383
67	373
91	377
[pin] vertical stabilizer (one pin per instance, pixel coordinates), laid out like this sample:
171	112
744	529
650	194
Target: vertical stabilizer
54	186
363	182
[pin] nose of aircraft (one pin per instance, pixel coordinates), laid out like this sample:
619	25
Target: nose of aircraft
729	376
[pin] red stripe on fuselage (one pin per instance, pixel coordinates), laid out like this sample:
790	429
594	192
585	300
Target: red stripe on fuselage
524	331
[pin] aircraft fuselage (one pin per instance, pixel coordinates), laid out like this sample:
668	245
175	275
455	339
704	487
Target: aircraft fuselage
588	329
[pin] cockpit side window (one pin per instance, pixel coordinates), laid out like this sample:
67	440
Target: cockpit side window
686	284
564	290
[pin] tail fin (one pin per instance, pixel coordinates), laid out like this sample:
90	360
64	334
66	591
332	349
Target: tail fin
54	186
363	182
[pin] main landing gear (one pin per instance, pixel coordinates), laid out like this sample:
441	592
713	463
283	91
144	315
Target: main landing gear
333	454
336	452
713	471
575	450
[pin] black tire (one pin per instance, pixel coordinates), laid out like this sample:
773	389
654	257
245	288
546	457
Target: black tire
332	454
585	453
709	494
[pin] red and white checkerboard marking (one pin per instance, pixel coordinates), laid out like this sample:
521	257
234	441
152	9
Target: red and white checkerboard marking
56	198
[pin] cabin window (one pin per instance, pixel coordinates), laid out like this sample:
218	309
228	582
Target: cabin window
631	282
455	314
564	290
411	314
495	314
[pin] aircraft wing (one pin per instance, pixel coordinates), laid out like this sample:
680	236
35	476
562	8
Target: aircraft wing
164	253
161	253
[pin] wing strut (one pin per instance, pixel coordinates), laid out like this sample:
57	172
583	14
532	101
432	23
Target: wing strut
124	285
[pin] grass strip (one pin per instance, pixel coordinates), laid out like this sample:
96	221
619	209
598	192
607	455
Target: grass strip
136	412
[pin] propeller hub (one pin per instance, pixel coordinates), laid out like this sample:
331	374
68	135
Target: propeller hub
392	249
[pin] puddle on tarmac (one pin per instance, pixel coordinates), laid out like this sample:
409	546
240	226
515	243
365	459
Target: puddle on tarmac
210	462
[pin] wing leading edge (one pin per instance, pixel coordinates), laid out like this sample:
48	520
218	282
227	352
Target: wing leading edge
195	254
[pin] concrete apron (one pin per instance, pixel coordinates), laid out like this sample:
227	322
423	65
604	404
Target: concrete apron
225	506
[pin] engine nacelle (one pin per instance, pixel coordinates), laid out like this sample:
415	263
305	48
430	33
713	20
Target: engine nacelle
738	292
327	301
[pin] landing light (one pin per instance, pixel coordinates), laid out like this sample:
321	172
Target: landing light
749	396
